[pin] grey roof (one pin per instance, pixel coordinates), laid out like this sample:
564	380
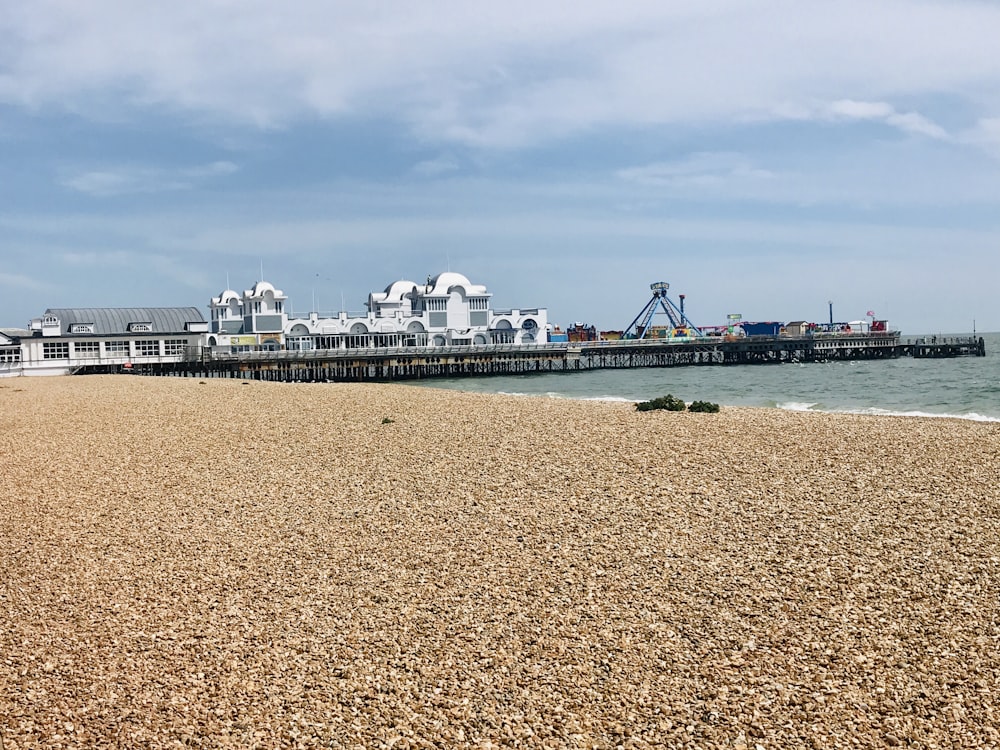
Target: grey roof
108	321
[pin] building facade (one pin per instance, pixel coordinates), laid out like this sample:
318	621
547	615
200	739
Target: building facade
447	310
10	351
65	340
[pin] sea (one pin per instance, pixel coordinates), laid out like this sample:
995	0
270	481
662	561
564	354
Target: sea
966	387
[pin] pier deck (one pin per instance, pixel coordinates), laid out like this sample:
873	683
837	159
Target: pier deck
354	365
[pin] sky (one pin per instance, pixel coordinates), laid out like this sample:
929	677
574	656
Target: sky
764	158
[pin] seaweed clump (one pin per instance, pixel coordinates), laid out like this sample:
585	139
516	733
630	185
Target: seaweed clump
668	402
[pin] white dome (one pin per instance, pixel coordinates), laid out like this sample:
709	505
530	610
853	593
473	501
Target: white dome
260	287
441	283
397	290
225	297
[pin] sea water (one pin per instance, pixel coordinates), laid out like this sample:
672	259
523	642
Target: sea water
967	387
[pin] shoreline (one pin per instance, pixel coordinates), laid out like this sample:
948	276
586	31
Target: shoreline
790	406
265	564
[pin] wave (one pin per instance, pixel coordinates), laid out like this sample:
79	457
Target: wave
880	412
557	394
798	406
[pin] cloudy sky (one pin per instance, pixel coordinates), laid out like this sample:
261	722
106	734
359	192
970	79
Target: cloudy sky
762	157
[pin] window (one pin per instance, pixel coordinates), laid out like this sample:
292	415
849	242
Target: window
116	348
87	349
140	327
55	350
81	328
10	355
147	348
174	347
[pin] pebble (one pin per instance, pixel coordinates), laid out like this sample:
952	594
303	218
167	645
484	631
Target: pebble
258	565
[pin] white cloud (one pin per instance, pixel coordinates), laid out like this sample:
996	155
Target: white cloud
917	124
215	169
986	135
155	265
130	179
95	258
853	110
20	281
909	122
702	170
436	167
509	74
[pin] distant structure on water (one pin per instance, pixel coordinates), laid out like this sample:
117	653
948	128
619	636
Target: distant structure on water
446	311
443	328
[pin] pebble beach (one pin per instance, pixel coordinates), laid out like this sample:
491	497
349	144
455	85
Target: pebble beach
222	564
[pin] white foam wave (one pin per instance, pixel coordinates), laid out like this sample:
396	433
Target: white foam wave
971	416
880	412
557	394
803	406
796	405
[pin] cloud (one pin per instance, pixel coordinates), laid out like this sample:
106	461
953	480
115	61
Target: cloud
22	282
94	258
154	264
909	122
215	169
131	179
985	135
702	170
436	167
853	110
499	76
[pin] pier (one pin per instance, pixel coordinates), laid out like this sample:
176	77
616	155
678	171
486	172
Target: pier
411	363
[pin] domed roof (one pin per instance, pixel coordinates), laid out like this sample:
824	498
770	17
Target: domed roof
263	288
225	297
398	289
441	283
260	287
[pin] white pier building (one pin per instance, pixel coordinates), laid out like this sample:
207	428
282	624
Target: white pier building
65	340
447	310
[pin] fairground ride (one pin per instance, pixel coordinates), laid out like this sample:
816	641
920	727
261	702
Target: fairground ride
680	326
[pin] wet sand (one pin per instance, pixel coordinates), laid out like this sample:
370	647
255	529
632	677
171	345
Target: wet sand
219	564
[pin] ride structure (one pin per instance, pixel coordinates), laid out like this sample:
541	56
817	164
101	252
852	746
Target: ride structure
680	328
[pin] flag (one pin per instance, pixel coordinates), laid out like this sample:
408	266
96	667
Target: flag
871	313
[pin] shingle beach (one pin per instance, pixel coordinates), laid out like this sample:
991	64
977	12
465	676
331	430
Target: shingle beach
226	564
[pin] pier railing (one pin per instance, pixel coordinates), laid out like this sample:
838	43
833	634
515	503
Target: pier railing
408	363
